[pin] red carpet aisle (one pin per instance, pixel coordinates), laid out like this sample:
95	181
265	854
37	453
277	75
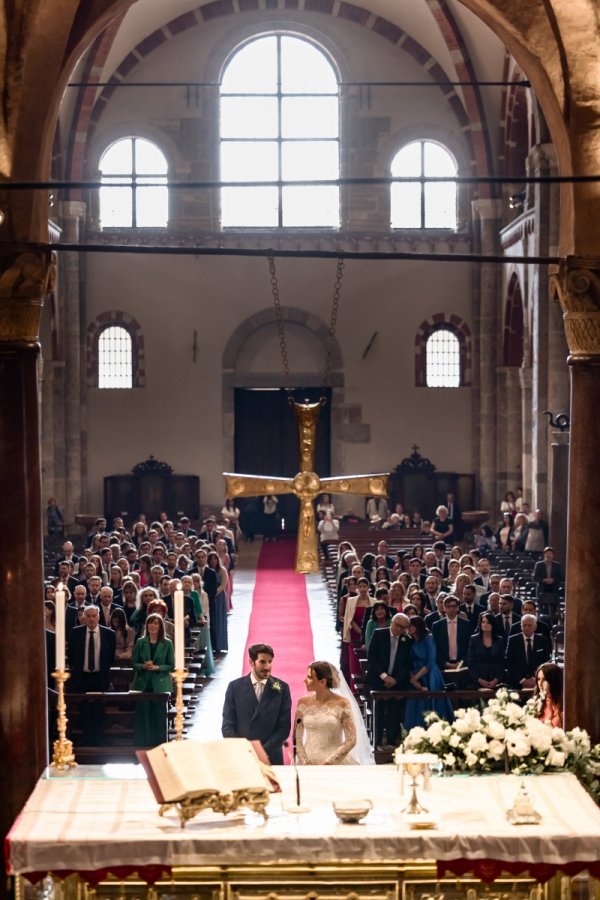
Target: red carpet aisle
281	616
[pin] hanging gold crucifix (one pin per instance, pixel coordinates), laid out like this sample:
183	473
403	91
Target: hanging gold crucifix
306	485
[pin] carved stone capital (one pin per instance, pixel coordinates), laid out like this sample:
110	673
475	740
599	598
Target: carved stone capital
27	274
575	283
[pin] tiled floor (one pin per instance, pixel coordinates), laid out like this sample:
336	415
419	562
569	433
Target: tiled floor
206	724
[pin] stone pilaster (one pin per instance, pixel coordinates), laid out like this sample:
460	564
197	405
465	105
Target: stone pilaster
576	284
26	276
486	214
73	220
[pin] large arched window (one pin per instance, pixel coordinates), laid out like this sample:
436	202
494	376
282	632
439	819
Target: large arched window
142	201
279	125
115	358
418	204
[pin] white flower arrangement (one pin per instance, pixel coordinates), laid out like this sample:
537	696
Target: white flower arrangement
506	735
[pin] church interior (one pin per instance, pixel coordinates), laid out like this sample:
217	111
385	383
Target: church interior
161	169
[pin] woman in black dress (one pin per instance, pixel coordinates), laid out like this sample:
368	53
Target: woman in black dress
486	654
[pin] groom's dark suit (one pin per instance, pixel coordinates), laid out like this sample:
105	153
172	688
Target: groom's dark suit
267	721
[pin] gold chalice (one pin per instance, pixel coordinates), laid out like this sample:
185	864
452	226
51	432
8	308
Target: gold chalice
416	765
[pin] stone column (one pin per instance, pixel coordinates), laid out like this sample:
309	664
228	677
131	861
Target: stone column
487	215
577	285
73	217
559	493
525	380
26	276
509	430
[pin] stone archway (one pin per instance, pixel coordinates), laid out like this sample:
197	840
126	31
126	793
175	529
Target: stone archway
317	331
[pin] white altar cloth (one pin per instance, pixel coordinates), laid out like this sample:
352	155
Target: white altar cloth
83	820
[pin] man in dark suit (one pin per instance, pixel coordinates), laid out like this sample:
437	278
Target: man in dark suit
506	618
543	623
91	654
71	619
524	653
451	635
547	573
470	607
388	669
65	575
438	614
416	574
258	706
106	607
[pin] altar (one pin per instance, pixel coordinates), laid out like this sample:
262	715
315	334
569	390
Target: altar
98	828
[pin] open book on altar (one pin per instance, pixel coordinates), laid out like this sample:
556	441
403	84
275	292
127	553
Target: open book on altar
184	770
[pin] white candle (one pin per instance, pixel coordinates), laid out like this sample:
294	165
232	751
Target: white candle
59	628
179	639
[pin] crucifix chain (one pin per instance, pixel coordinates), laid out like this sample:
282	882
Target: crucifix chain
337	288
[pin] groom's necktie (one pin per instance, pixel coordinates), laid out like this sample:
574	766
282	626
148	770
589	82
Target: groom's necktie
259	687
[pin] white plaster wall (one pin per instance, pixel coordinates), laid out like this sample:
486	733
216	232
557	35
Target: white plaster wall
177	415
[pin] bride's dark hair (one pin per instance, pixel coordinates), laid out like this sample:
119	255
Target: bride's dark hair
324	670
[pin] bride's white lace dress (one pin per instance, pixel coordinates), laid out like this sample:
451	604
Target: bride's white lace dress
325	733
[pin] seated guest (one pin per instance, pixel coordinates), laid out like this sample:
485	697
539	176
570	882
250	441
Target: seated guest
549	692
425	676
451	635
524	653
486	654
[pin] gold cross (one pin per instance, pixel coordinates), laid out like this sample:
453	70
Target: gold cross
306	485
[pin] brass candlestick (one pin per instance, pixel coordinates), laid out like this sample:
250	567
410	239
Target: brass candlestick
179	676
62	757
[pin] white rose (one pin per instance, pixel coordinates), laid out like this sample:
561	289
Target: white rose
555	758
496	749
434	733
473	718
496	730
517	743
477	743
470	759
463	726
514	712
449	760
454	740
539	734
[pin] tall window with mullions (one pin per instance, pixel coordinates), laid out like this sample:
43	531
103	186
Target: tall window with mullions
443	367
279	125
134	192
115	358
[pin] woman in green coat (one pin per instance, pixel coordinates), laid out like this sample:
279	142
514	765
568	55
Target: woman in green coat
153	661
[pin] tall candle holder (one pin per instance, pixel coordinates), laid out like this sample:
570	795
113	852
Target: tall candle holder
179	676
62	757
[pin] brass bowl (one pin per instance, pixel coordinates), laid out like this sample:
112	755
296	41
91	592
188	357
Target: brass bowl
351	811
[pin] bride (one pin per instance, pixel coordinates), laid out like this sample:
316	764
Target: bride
329	730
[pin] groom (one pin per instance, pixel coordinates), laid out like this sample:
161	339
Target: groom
258	707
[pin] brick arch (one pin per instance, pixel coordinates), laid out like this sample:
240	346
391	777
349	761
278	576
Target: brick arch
97	326
470	114
462	331
265	317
